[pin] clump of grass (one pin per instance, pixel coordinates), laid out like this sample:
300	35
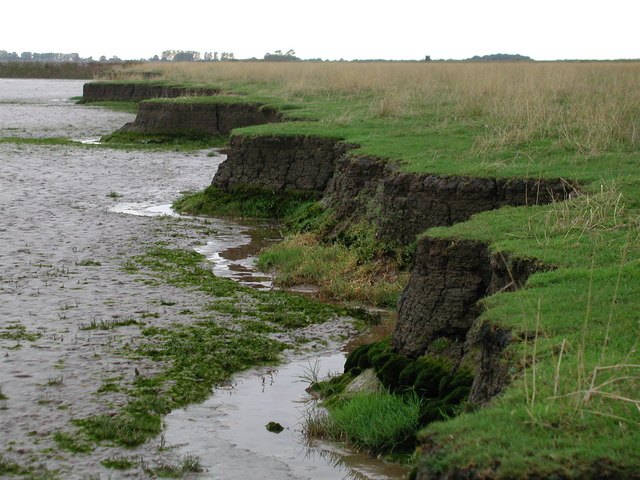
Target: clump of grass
187	464
72	442
87	262
336	269
164	141
9	467
375	422
118	462
128	429
18	332
110	324
243	202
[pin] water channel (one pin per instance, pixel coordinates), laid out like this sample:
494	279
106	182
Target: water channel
74	217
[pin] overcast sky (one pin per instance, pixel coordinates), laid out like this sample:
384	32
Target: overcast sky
328	29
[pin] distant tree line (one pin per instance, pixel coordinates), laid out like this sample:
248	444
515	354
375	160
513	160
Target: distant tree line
500	57
195	56
51	57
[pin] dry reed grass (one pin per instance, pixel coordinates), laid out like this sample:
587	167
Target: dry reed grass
590	107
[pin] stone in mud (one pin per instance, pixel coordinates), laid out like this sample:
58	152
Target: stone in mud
274	427
366	382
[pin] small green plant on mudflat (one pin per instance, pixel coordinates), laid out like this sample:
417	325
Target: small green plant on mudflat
187	464
118	462
72	442
195	141
128	429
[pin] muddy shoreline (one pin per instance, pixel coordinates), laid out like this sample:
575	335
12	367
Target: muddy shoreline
70	310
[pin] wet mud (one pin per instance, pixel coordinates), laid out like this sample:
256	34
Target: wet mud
66	231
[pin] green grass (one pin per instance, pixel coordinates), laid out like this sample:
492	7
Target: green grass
109	324
187	464
65	70
243	202
163	141
127	107
339	271
128	429
378	422
11	469
16	331
39	141
574	412
119	463
130	140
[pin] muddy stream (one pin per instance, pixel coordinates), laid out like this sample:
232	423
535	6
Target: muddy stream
69	216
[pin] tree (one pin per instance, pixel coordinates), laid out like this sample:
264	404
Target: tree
167	55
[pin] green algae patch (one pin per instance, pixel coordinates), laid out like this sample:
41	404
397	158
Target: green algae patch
200	355
164	140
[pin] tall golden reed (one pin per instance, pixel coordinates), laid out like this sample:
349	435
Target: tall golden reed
591	106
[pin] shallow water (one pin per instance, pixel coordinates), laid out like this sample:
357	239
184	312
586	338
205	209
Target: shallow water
232	250
236	415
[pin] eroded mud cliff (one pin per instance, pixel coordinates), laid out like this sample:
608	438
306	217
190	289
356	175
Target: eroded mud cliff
403	204
280	162
208	118
441	304
134	92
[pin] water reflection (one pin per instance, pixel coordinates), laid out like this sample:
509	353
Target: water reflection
237	414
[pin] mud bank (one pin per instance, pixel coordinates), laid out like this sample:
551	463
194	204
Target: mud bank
449	276
279	163
440	303
135	92
400	205
210	118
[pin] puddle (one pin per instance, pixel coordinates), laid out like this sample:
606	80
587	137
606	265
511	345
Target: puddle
232	250
234	419
144	209
88	141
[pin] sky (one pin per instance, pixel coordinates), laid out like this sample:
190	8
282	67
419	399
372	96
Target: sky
327	29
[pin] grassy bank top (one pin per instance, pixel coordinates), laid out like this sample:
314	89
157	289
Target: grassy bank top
579	120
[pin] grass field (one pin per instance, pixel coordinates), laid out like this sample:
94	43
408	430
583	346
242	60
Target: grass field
573	409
